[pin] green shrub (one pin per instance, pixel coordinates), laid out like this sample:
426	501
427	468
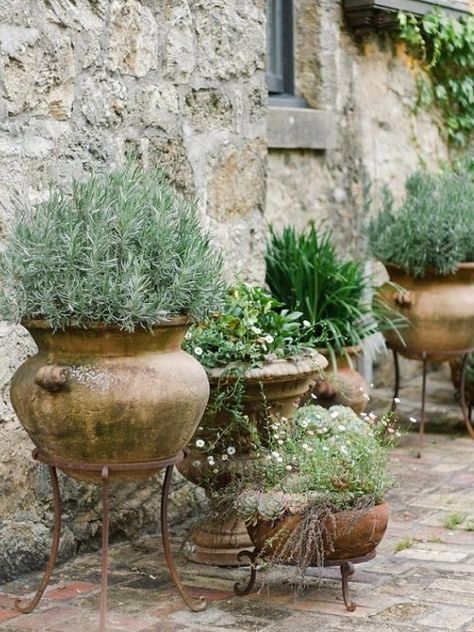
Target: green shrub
251	329
305	273
125	249
330	458
433	227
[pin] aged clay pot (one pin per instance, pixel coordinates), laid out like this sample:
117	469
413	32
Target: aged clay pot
350	534
440	311
276	389
103	395
344	385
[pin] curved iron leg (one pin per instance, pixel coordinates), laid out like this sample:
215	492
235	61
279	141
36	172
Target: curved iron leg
347	569
252	555
396	391
423	402
194	605
105	548
54	546
466	410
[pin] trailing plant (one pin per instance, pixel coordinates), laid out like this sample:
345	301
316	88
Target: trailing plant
323	462
305	273
432	228
251	331
445	46
124	249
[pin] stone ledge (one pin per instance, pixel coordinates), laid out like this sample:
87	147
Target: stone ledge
300	128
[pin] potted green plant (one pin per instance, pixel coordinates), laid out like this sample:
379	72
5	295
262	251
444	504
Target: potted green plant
318	497
305	273
427	247
107	280
260	363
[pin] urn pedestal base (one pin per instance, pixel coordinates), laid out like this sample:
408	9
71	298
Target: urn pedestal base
218	542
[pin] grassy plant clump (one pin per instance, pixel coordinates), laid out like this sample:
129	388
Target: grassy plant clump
433	227
305	273
123	249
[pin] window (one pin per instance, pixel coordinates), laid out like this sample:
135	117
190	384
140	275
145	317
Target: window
280	47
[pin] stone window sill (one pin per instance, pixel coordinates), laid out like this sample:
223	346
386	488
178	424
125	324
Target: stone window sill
300	128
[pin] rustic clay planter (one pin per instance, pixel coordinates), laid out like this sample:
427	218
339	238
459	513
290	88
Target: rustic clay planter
439	309
351	534
103	395
276	389
344	386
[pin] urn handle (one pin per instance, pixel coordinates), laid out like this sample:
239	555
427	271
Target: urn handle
404	298
52	377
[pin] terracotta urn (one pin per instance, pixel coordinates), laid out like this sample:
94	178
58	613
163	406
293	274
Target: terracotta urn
104	395
347	535
439	310
343	384
274	390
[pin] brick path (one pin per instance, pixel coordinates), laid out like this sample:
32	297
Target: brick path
422	579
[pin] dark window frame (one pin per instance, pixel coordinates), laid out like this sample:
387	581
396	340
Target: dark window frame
280	53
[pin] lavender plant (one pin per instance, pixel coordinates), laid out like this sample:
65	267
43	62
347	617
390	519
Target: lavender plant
123	249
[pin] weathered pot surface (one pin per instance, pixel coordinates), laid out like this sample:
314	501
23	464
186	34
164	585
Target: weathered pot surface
350	534
439	309
344	385
103	395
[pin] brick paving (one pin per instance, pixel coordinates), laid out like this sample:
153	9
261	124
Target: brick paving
421	580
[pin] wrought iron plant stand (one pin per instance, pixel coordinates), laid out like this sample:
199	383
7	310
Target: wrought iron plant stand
434	356
105	474
346	566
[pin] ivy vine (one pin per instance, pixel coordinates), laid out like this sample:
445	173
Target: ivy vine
445	47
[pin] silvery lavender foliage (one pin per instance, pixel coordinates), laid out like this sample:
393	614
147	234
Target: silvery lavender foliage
124	248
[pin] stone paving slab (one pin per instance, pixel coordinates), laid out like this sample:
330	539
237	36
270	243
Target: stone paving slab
422	579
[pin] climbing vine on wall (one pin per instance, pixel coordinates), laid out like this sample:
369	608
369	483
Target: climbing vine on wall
445	46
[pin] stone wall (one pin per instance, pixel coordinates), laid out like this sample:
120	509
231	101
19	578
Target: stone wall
370	86
82	84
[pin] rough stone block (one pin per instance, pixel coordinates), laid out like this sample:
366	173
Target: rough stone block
133	38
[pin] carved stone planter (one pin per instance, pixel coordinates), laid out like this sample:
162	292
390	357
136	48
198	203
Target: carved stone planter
274	390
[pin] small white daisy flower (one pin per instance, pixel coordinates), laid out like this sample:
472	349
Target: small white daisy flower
269	339
198	351
200	443
231	450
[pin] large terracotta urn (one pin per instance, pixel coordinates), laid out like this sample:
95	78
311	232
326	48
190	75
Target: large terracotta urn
439	312
343	385
104	395
273	391
346	535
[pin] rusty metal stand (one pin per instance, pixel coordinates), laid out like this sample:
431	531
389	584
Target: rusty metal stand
346	566
105	473
425	357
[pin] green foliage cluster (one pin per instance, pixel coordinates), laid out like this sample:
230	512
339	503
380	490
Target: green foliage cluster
251	329
445	45
124	249
322	458
305	273
433	227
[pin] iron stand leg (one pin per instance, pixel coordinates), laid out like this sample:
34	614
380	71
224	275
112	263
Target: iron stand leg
105	548
347	569
423	402
466	410
396	392
26	609
252	555
194	605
